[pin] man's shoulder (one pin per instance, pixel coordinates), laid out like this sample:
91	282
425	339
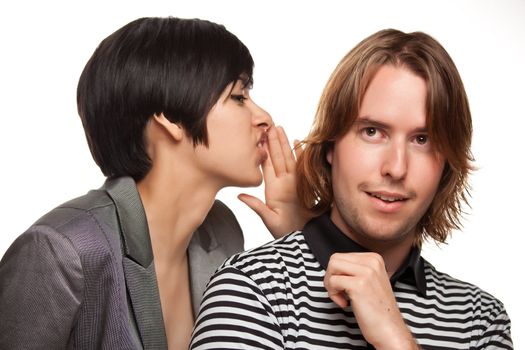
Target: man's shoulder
443	285
290	251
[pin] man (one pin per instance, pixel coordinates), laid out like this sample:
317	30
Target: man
385	167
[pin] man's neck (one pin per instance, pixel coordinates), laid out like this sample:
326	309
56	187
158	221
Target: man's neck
394	249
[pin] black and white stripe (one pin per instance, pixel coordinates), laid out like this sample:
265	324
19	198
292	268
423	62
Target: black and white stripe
273	297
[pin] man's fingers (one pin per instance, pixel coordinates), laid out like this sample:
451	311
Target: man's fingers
337	287
341	262
354	264
339	299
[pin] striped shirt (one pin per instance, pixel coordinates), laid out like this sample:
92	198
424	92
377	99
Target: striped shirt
273	297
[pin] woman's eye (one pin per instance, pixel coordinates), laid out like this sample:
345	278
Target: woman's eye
239	98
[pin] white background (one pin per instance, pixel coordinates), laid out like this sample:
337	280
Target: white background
296	45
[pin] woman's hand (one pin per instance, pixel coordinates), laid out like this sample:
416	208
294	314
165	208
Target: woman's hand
281	213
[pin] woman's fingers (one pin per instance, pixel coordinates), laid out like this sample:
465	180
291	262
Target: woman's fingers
276	152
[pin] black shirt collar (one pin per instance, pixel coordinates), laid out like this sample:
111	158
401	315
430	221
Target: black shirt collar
325	239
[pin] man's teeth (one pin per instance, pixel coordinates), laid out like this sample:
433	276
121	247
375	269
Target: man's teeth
387	199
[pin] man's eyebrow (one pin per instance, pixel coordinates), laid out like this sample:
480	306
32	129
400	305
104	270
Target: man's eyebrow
367	121
370	122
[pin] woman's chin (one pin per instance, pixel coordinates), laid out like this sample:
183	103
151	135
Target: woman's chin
252	181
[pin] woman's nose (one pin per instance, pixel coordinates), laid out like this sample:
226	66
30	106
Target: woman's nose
261	118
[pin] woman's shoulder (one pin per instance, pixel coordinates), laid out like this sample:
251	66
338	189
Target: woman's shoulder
75	224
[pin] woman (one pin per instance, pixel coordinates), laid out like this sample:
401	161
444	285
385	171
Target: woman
168	118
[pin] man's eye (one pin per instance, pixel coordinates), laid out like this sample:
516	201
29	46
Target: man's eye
372	134
239	98
370	131
421	139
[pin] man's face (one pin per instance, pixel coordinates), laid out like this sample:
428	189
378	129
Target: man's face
385	171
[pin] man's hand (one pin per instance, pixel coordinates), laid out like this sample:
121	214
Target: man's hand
361	279
281	213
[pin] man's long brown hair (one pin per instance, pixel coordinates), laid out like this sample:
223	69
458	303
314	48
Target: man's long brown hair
447	118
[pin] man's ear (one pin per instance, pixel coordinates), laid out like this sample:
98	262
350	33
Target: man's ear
175	130
330	154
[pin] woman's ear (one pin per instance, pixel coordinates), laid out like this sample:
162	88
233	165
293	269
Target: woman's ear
172	129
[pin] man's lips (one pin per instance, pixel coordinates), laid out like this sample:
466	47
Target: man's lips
389	197
386	201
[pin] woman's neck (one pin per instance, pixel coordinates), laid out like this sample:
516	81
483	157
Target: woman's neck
174	210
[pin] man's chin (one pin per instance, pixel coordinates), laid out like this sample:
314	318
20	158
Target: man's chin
387	235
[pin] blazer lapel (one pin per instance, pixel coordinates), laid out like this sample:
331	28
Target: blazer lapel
219	237
139	269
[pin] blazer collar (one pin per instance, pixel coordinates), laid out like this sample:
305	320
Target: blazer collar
132	219
139	270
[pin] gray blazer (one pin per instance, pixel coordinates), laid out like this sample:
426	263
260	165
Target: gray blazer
82	277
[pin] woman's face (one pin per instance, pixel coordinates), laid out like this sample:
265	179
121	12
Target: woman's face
236	139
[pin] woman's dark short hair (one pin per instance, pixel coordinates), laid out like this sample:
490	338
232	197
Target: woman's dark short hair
178	67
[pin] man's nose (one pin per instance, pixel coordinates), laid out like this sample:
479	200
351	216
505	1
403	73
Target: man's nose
395	163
